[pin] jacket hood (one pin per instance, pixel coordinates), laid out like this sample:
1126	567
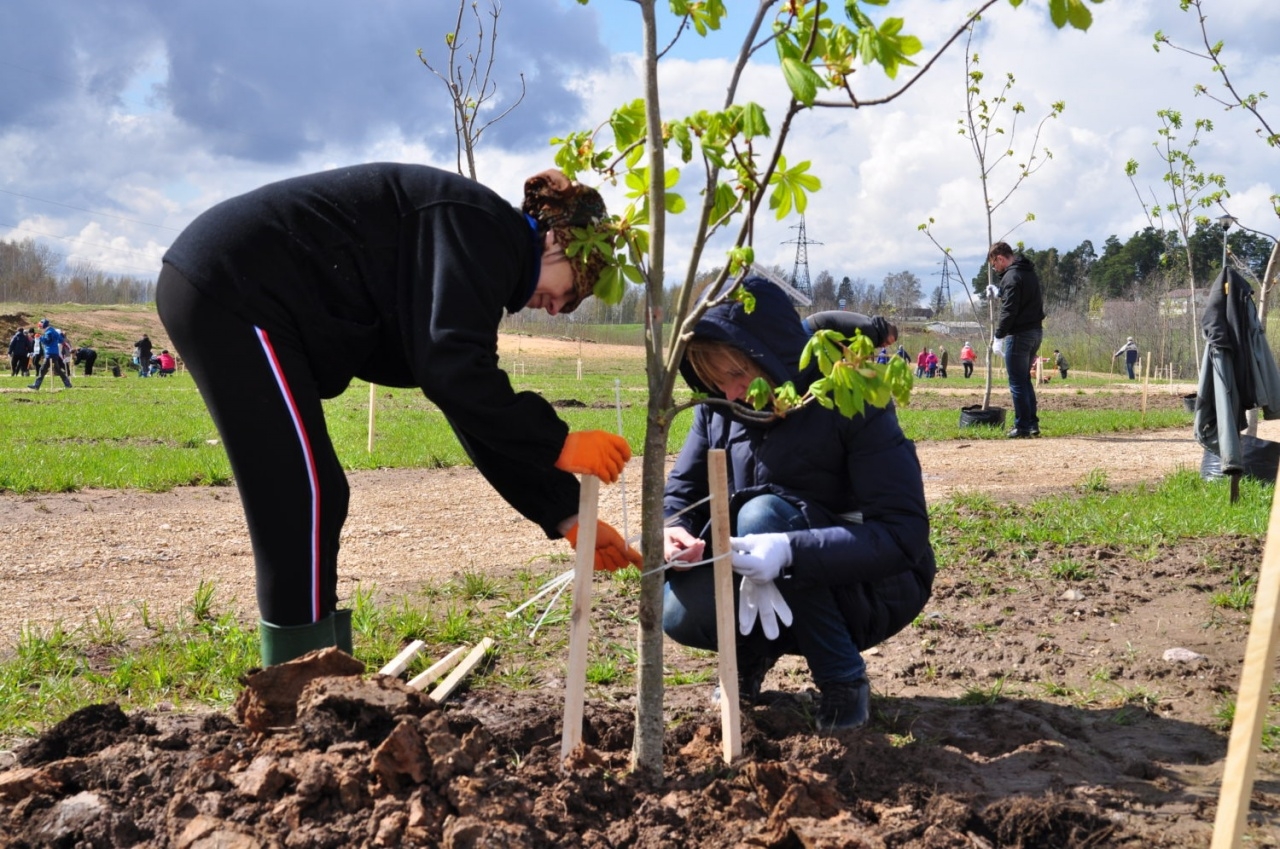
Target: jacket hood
771	334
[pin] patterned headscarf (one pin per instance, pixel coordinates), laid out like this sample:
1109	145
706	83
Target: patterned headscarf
557	204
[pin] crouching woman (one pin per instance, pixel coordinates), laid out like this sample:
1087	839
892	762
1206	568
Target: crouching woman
828	516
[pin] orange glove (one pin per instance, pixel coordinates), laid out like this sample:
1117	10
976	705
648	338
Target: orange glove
594	452
612	551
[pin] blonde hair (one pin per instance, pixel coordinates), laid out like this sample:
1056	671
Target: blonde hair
717	363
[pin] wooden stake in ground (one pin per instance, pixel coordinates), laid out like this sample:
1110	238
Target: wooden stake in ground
1251	700
726	621
1146	386
580	619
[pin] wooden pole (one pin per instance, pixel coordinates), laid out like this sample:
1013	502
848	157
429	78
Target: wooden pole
580	619
440	693
1146	387
373	397
1251	700
726	624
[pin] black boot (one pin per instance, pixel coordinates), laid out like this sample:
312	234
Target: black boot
36	385
843	706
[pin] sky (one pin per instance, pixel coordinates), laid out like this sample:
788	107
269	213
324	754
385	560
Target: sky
120	122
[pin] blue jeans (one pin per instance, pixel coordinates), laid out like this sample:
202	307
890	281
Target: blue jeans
818	630
1019	350
1128	364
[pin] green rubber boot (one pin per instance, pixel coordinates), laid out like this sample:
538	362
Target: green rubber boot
282	643
342	631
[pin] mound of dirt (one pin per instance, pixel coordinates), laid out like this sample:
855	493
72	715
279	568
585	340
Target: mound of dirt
367	761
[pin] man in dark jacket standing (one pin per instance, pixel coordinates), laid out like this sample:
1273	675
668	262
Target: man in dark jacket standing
143	347
1020	324
19	352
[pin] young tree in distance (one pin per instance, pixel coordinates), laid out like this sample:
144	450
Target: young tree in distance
992	145
1189	189
1234	99
743	168
469	83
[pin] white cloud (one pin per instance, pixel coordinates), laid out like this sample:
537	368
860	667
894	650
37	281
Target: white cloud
119	128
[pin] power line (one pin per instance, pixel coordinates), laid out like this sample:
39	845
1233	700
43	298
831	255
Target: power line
92	212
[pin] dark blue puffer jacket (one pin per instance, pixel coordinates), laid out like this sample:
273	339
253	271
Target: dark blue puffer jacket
827	465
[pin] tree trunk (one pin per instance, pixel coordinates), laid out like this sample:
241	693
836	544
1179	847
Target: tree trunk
646	752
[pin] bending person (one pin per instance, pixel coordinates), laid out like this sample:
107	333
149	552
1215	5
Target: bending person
266	296
828	514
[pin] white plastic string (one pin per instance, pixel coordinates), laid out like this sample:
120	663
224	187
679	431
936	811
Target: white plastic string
550	606
558	581
561	582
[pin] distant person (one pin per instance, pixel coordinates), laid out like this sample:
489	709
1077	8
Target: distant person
1061	362
37	355
51	340
902	352
931	364
922	362
1130	351
966	359
277	296
84	356
943	356
882	356
1021	326
142	353
166	364
19	352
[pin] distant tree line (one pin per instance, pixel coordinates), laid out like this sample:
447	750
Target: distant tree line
33	273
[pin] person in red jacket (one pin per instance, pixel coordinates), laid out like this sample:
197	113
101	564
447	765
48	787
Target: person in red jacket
398	275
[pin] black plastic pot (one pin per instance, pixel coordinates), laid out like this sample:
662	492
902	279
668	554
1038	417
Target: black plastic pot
1189	401
979	416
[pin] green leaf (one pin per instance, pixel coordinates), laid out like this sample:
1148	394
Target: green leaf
801	79
611	286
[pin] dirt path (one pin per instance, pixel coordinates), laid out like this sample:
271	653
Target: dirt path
143	555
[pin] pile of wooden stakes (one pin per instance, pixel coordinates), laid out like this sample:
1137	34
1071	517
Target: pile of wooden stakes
454	660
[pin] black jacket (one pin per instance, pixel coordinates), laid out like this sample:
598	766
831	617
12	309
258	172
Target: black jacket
1021	301
881	567
399	275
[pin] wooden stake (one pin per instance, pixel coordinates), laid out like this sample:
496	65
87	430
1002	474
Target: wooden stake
1146	386
400	662
440	693
373	397
1251	700
726	621
580	619
437	669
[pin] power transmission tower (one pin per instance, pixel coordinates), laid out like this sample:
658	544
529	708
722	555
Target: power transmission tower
800	273
944	288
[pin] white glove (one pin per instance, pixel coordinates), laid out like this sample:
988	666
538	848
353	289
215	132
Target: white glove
997	346
765	601
760	557
992	291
